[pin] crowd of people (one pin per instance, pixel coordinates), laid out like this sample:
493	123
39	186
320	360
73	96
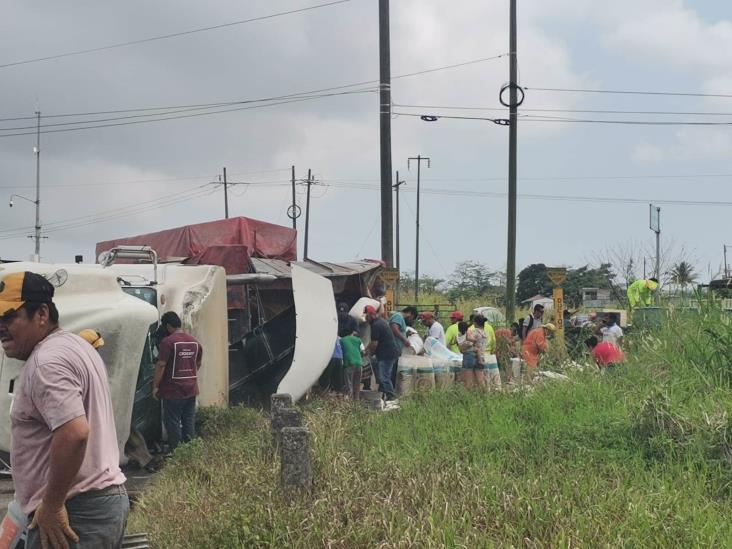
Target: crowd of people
487	353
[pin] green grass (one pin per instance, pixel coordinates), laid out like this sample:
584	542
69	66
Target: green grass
641	457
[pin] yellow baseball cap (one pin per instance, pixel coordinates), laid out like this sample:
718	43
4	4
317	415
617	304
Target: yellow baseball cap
93	337
18	288
549	326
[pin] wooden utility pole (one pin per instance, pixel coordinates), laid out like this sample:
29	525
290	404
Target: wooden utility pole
512	168
398	236
387	227
307	215
226	196
419	160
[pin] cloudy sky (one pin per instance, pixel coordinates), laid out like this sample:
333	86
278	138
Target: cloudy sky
586	186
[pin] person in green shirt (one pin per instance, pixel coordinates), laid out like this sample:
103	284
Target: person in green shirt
353	351
640	293
452	332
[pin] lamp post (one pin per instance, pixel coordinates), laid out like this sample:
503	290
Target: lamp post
37	236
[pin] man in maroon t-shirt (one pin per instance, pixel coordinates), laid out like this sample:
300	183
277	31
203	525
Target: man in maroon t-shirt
176	379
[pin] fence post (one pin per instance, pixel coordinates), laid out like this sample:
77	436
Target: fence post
281	418
295	459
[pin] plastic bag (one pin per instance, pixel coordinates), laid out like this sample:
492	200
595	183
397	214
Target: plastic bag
437	351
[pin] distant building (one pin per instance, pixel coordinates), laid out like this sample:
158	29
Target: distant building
596	297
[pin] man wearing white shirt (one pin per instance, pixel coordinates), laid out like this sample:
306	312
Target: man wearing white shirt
611	332
434	328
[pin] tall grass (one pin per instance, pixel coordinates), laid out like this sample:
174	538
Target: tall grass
638	457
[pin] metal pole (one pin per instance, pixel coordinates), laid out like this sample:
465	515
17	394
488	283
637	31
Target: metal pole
307	217
726	272
416	253
398	236
226	197
38	189
387	227
294	201
512	191
419	159
658	245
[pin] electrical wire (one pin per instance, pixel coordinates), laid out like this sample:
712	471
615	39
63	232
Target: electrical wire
582	111
171	35
631	92
537	118
274	98
163	118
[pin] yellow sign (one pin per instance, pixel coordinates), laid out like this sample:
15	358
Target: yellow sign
391	280
558	295
557	275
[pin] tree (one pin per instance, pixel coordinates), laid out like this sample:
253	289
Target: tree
532	280
471	279
586	277
683	274
427	284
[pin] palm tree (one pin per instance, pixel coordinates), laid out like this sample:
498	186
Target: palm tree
682	274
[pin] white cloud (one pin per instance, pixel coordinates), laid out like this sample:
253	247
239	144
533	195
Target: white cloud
647	153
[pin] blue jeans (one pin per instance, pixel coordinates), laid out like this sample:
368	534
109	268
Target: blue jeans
179	416
99	519
384	369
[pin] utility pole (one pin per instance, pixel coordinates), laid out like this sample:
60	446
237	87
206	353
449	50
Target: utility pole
398	236
307	216
726	271
387	227
37	253
226	196
294	201
512	153
419	160
655	226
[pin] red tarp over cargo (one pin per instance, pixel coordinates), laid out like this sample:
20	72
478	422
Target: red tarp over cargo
227	242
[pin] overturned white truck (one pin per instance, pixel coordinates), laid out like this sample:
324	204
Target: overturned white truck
125	301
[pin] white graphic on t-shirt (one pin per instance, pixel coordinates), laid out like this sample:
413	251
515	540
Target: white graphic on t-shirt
184	360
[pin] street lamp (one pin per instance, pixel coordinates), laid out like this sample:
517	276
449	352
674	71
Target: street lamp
37	236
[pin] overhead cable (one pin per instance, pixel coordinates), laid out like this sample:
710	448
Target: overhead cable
171	35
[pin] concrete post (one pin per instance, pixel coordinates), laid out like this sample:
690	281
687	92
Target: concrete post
295	459
280	400
282	418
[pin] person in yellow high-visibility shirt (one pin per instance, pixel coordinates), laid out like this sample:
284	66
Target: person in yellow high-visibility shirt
640	292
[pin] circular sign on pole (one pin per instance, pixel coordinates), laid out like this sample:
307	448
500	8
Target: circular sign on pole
294	211
557	275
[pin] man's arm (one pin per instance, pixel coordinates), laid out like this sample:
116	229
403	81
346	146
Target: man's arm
398	334
158	377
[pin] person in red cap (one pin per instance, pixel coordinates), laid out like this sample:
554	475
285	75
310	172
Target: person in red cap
434	328
452	332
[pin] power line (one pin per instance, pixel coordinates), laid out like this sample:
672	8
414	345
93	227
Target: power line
266	102
537	118
133	208
171	35
274	98
631	92
163	118
584	111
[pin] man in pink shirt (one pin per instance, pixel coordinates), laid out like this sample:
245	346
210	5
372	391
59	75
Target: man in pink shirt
64	450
